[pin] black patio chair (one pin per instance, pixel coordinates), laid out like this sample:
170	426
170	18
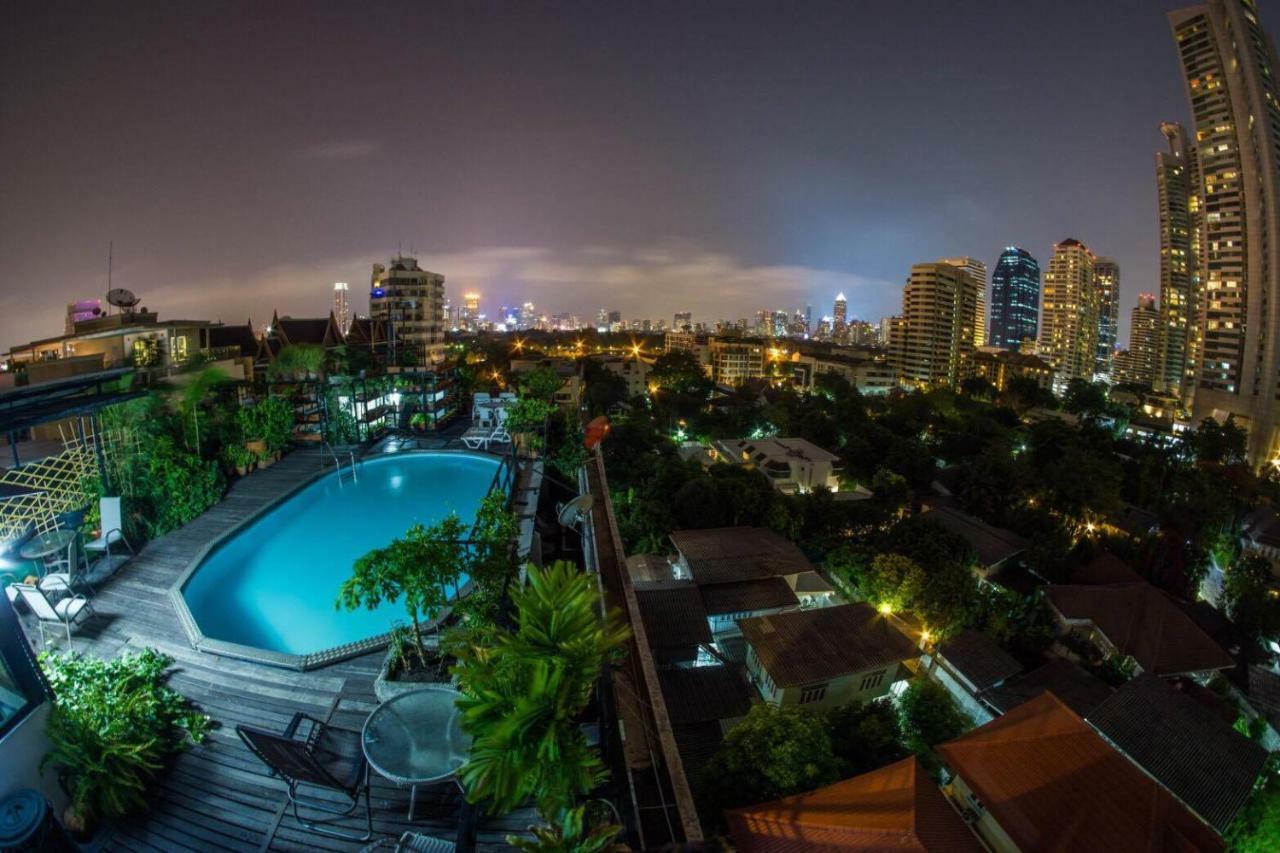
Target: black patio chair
329	757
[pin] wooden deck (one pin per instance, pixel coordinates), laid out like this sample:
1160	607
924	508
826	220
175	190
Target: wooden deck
217	796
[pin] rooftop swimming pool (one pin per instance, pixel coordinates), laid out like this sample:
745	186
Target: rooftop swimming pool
271	584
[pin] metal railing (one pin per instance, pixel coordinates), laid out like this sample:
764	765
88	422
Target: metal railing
337	462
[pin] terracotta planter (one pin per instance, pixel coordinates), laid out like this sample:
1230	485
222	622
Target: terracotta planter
256	446
241	470
266	462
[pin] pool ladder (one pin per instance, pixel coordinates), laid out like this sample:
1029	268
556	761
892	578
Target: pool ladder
337	463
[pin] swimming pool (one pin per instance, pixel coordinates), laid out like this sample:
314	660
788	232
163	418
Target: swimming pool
271	584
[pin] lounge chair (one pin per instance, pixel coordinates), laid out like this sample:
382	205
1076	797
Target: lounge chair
412	842
112	529
68	611
477	437
500	435
329	757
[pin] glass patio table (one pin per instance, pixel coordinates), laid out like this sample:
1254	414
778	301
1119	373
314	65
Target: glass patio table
47	545
416	738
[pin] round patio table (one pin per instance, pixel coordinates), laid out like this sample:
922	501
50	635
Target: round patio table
45	545
417	738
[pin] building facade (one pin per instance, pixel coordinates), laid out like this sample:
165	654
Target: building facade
734	361
1015	299
978	271
1069	313
342	305
1229	66
1181	232
1106	283
934	345
410	300
1139	364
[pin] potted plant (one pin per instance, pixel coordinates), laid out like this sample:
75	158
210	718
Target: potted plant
113	724
309	360
239	459
419	570
249	422
418	421
277	417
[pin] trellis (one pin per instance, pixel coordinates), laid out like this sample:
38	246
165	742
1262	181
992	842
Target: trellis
57	483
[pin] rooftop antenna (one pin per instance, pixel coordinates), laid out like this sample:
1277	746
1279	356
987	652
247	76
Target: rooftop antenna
111	248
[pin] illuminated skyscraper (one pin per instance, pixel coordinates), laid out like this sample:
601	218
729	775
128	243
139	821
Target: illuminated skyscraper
342	305
411	301
840	315
1138	364
682	320
1229	66
934	343
978	272
1106	284
1181	230
1015	299
1069	313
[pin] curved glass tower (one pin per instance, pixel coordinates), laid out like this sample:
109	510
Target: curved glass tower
1015	299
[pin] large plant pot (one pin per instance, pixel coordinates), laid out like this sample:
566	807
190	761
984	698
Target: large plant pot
387	688
256	446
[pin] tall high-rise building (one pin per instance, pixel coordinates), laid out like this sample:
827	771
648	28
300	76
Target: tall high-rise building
978	271
840	316
682	320
1069	313
342	305
1229	66
1106	284
1181	230
1139	363
469	313
410	300
1015	299
934	344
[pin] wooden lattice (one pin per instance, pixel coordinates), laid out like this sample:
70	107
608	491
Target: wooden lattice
58	483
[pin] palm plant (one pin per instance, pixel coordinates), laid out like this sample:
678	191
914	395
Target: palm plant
524	689
574	832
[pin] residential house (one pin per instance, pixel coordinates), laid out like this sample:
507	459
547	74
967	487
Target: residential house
897	807
285	331
793	465
1139	621
1184	743
1040	778
703	704
1000	367
970	665
569	395
994	547
826	656
633	371
1077	689
675	621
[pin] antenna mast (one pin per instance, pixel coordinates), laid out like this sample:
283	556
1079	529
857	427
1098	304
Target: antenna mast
111	251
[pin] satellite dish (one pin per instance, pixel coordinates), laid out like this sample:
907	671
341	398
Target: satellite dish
572	512
122	298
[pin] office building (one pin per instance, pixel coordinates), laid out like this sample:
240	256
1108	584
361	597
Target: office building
1069	313
1229	69
410	301
1106	284
978	272
1181	230
682	320
840	315
1015	299
734	361
933	346
342	305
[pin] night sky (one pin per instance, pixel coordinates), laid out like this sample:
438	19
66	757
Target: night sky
719	157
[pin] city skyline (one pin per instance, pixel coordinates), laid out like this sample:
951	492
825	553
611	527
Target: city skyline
856	217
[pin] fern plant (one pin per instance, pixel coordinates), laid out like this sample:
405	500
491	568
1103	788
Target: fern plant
524	689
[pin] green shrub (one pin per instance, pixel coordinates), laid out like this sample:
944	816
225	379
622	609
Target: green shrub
113	724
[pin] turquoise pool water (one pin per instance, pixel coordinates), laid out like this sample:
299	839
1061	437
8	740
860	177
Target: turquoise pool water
272	585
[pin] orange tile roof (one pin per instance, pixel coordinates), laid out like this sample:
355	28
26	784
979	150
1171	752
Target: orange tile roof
897	807
1053	784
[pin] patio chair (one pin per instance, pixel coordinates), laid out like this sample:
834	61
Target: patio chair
112	529
329	758
500	435
76	574
68	611
412	842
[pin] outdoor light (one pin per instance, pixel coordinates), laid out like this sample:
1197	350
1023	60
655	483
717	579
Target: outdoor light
394	397
886	608
925	636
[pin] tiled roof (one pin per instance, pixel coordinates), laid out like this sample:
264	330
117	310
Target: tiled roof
1105	568
672	614
812	582
1264	691
648	567
700	694
1052	783
725	554
978	658
234	336
1142	621
807	646
309	330
1077	689
1188	748
991	544
897	807
747	596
